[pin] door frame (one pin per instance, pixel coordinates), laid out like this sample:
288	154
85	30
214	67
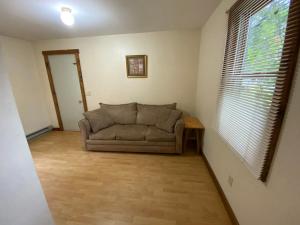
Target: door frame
75	52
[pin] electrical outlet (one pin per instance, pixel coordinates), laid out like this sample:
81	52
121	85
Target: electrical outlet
230	181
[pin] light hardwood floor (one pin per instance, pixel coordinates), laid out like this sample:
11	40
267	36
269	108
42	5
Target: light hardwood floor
96	188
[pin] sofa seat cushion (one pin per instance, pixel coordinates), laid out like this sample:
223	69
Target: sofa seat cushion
121	114
130	143
156	134
130	132
121	132
104	134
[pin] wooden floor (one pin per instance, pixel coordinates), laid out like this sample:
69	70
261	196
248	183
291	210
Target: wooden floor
96	188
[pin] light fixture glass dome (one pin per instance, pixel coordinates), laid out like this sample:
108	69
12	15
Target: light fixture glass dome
66	16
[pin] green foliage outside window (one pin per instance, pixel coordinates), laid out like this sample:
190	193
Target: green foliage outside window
262	55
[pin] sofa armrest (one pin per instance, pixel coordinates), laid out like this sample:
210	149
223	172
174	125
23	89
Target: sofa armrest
85	130
179	128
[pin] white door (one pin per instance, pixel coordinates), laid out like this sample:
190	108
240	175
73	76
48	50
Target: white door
67	87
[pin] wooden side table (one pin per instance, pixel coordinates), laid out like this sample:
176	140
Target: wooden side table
193	124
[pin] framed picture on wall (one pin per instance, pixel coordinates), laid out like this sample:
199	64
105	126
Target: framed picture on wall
136	66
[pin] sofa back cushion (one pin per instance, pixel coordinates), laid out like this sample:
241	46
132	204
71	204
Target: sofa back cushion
121	114
168	106
152	114
98	119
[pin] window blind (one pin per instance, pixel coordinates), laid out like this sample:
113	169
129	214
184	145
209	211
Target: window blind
259	63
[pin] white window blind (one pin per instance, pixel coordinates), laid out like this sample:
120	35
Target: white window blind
259	62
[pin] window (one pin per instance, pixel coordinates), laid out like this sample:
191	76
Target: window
260	58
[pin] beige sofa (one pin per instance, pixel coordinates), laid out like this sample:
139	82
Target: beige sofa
133	128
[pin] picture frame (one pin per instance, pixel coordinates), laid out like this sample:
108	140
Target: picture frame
136	66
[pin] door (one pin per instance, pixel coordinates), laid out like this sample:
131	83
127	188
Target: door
67	88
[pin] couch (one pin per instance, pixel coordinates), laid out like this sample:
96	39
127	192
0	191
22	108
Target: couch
133	127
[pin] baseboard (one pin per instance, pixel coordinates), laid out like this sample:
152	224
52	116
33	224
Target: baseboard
221	192
39	132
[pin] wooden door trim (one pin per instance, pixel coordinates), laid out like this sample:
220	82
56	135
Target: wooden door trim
61	52
81	81
75	52
60	124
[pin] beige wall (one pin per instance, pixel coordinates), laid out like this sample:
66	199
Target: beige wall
277	201
19	58
172	68
22	201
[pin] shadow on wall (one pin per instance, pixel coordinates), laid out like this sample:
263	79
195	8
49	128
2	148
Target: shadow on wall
16	167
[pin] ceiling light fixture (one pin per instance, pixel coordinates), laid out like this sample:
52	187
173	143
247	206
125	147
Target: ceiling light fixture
66	16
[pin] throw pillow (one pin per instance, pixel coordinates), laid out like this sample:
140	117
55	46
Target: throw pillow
98	119
169	124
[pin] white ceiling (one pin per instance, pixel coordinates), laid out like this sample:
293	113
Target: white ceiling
39	19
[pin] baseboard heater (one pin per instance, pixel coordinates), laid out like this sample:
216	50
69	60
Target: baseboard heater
39	132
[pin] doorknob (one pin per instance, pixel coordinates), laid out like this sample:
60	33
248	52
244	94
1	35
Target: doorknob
79	101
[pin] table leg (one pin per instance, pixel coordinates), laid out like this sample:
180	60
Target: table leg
199	141
186	137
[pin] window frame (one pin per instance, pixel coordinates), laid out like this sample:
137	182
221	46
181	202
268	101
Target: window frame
235	44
